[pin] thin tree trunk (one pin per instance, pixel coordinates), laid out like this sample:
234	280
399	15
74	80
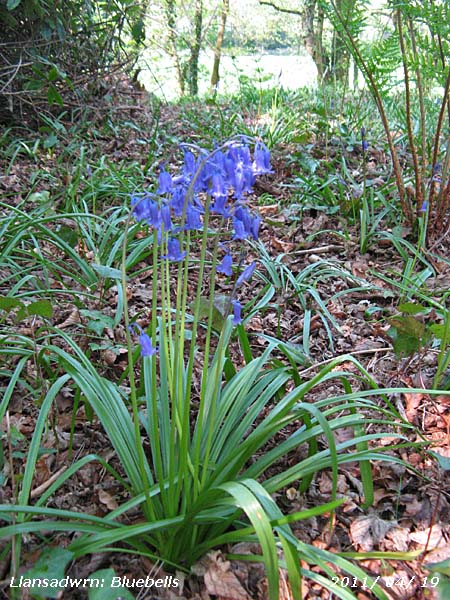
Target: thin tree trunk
311	34
320	58
195	49
171	25
339	56
218	49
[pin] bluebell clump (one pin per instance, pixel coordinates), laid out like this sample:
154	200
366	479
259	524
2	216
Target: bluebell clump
213	183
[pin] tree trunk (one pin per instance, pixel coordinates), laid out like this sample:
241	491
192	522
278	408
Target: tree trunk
320	56
311	35
195	48
312	40
340	56
218	49
173	51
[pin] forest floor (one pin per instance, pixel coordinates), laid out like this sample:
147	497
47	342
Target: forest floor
411	511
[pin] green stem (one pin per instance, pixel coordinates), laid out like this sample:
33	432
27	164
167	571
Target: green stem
154	422
208	402
444	351
197	304
409	127
137	434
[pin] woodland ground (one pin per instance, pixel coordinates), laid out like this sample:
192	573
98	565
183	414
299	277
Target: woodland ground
411	509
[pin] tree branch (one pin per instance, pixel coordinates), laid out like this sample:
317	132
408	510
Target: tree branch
290	11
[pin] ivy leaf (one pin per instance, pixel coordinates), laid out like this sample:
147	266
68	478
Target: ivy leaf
444	588
438	330
408	334
40	197
107	592
404	345
444	463
138	31
50	141
411	308
7	303
106	272
408	326
440	567
53	96
220	307
12	4
40	308
51	564
97	320
53	74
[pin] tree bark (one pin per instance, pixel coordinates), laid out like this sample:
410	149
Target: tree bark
215	77
195	48
339	56
170	12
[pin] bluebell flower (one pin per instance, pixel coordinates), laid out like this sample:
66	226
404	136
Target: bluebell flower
244	155
178	199
225	265
230	170
261	159
166	218
193	220
174	251
250	179
242	213
139	206
219	161
198	204
145	209
423	207
165	183
222	173
218	188
364	143
436	174
190	164
250	222
237	309
246	274
147	348
254	227
239	181
239	230
218	206
154	216
204	178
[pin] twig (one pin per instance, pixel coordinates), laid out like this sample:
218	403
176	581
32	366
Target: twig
319	249
13	490
44	486
325	362
290	11
19	64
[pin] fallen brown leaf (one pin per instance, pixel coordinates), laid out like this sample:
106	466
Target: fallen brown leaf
222	582
366	532
107	500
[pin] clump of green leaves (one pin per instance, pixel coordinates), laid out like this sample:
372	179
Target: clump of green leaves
416	328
